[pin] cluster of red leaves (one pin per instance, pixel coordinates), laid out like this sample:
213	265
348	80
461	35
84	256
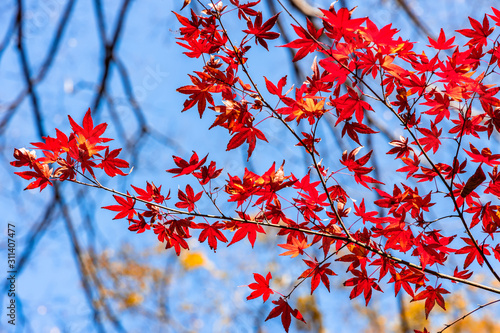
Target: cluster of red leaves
428	94
79	150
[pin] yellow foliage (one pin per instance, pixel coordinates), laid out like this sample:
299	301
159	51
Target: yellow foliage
377	322
128	278
310	310
132	299
192	260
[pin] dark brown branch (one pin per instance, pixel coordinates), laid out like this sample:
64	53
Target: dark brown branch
8	34
306	9
80	265
49	58
46	219
109	47
284	34
27	71
424	30
340	237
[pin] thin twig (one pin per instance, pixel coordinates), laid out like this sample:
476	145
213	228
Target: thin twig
468	314
306	231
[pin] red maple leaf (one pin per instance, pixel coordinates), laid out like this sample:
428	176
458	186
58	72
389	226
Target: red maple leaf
496	252
362	284
41	173
247	230
411	166
152	193
188	199
368	62
125	207
261	287
427	175
293	232
317	82
339	24
495	18
432	296
439	104
190	29
212	233
382	37
66	169
401	147
431	247
317	273
110	164
184	167
357	166
139	225
468	125
352	129
485	156
245	9
283	308
199	93
309	142
479	33
465	274
198	47
24	157
177	242
472	252
240	190
250	135
349	104
87	135
357	257
473	182
308	41
312	196
207	173
161	231
417	85
393	69
261	30
431	139
365	216
403	279
399	236
442	43
296	247
278	91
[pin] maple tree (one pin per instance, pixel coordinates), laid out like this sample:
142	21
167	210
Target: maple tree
362	69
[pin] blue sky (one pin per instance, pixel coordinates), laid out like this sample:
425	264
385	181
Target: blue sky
50	290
